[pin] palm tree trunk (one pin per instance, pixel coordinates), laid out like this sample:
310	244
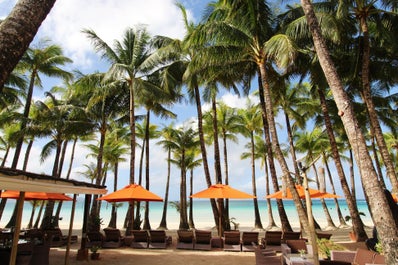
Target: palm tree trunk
190	221
147	224
203	150
163	222
5	157
336	202
18	30
217	164
281	209
226	206
28	149
357	224
381	212
72	156
257	219
374	121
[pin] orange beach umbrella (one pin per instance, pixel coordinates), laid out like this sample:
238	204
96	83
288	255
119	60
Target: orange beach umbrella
221	191
12	194
132	192
300	189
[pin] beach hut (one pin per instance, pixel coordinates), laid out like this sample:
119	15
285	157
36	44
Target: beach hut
22	181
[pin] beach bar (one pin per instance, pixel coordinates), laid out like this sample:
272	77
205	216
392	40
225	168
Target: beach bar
18	180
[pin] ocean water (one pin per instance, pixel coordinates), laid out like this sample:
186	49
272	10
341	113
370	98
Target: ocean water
241	210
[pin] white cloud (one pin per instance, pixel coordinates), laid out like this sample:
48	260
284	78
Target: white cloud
109	19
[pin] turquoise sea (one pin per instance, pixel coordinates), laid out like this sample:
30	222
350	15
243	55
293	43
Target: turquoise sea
241	210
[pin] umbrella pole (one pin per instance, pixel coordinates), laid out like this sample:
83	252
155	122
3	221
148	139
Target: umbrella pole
72	216
220	212
311	228
14	249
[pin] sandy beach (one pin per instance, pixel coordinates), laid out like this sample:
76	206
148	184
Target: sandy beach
171	255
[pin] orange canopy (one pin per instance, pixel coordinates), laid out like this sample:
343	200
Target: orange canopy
221	191
132	192
300	189
11	194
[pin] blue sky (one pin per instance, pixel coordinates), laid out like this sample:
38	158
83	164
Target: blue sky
109	19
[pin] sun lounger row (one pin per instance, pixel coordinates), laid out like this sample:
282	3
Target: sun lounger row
139	239
236	241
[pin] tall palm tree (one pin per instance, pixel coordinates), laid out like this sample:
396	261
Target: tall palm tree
250	126
130	63
183	140
382	216
166	134
46	59
313	144
240	31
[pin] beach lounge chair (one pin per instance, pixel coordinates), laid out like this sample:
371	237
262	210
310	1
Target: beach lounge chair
379	259
232	241
290	235
113	238
202	240
140	239
57	239
293	246
272	240
342	255
158	239
41	253
323	235
248	238
266	257
95	239
185	239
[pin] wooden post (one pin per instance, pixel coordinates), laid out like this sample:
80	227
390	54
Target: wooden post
14	249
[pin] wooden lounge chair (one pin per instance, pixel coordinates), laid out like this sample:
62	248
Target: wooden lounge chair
264	257
272	240
95	239
185	239
323	235
293	246
158	239
113	238
57	239
202	240
41	254
342	255
140	239
248	238
232	241
291	235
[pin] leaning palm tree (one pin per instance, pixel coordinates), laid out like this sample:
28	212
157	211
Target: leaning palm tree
46	60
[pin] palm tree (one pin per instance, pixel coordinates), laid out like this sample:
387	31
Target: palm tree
261	152
17	31
382	216
227	123
249	126
166	143
313	144
45	60
183	140
237	35
129	63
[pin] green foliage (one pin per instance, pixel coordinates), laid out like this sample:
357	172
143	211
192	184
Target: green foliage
232	221
95	248
325	246
379	248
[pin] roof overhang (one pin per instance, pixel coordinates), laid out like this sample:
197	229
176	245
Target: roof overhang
12	179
